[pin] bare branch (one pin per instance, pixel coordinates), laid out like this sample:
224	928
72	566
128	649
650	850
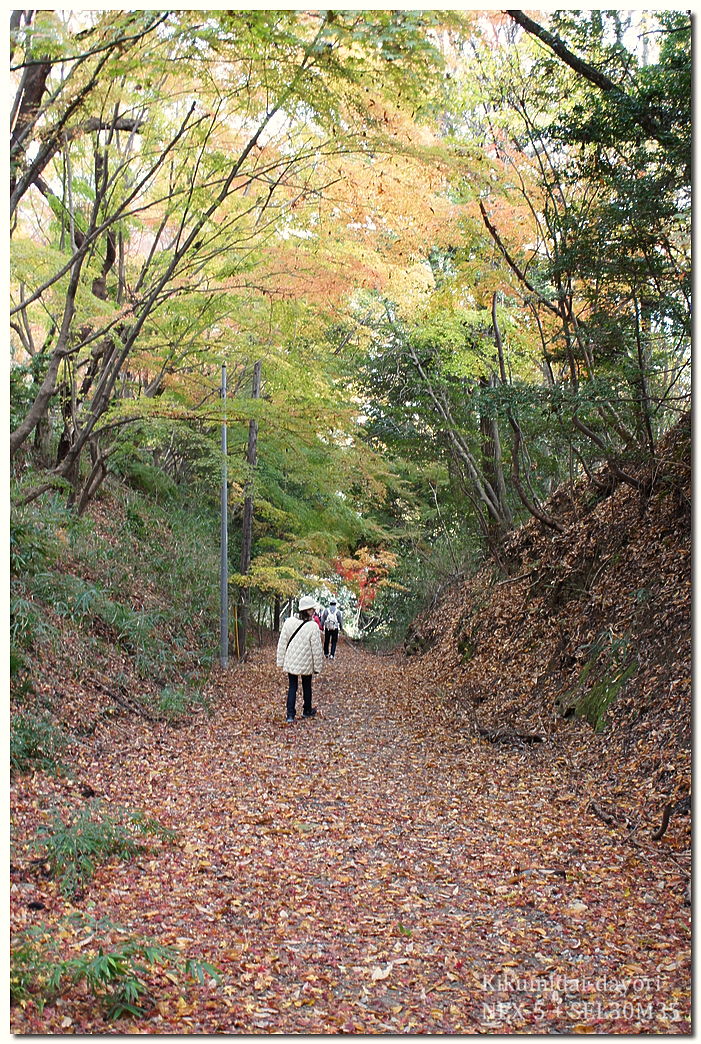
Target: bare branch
521	275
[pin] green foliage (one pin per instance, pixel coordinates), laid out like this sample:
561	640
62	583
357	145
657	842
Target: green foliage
174	554
28	624
316	70
144	477
177	701
605	174
36	742
114	973
21	687
73	850
79	601
32	546
18	664
25	379
461	340
134	628
426	566
67	595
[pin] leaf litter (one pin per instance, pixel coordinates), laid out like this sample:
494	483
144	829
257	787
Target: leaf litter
375	870
409	861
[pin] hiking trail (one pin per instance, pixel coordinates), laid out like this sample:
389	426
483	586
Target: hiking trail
378	869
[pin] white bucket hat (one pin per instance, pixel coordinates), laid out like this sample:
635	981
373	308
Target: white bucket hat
307	602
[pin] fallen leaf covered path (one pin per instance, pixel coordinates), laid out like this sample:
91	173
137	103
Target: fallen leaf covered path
378	870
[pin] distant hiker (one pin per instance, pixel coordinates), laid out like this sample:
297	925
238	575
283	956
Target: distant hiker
299	653
332	620
317	621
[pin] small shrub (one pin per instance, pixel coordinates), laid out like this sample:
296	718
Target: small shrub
135	521
133	627
148	479
69	596
113	973
31	549
20	681
147	826
35	743
28	624
73	850
18	663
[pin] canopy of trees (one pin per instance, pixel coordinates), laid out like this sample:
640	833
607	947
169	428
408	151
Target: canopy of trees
444	256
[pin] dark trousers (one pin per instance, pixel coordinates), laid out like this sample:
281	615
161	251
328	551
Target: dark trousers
292	693
330	636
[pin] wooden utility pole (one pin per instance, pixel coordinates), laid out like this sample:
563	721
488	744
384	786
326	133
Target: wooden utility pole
247	528
224	564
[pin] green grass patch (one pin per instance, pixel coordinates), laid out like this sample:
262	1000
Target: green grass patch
176	702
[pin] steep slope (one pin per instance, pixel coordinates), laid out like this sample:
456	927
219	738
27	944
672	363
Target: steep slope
587	643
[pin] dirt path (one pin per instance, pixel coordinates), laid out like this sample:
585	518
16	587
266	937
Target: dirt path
372	870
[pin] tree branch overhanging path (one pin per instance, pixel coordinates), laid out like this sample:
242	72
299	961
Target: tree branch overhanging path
377	869
638	113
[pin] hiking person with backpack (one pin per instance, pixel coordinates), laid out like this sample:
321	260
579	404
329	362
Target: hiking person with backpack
332	622
299	653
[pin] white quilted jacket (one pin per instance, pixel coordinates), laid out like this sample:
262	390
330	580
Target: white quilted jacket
304	654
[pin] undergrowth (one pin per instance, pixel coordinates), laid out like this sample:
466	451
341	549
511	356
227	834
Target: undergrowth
73	850
140	578
114	973
175	702
160	554
427	569
36	742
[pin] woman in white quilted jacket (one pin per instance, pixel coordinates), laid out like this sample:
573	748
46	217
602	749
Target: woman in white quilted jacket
299	652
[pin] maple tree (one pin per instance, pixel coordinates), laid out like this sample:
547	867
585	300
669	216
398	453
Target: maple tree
170	229
366	573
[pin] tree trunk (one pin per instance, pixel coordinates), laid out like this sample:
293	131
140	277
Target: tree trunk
95	479
42	442
27	105
529	504
493	470
643	404
40	406
645	117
